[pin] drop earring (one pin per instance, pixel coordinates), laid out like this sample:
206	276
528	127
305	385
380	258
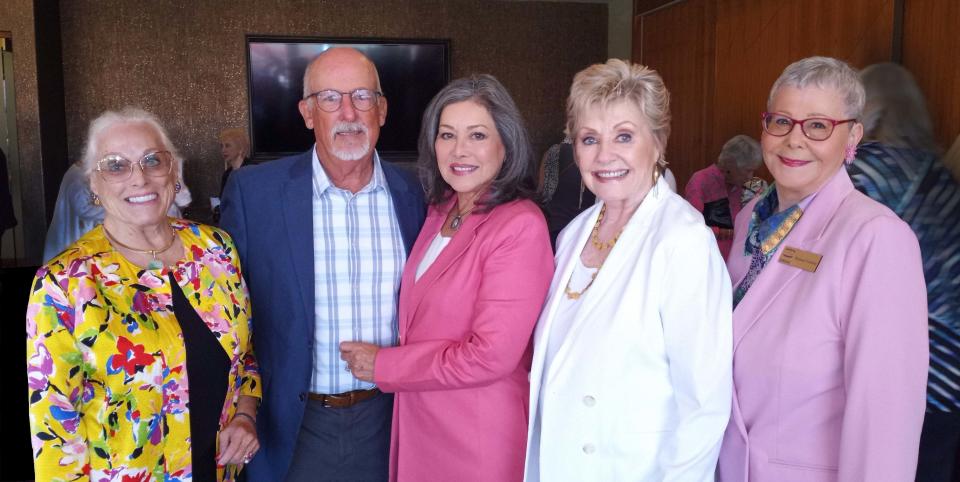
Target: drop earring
850	154
177	187
94	199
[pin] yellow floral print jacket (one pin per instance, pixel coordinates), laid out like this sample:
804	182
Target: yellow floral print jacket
106	362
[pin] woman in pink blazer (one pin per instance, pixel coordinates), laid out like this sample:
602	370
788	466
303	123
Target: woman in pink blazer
469	298
830	331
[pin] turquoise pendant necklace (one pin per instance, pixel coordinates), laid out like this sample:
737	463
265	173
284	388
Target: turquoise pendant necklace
154	263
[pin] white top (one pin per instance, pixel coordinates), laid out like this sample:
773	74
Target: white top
567	309
433	252
670	178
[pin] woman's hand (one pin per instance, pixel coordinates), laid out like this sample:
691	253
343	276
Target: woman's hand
238	440
360	358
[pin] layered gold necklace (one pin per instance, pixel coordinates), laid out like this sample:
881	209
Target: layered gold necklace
601	246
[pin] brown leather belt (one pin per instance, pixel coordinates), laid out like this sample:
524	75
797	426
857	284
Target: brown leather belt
344	400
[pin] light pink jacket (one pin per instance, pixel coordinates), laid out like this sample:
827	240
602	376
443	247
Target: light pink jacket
830	367
460	372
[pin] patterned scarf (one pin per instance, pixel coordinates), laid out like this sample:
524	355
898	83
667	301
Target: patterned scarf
767	230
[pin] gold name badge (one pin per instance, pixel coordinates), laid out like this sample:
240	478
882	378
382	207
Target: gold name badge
799	258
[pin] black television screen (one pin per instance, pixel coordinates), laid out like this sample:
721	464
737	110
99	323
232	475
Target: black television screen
411	73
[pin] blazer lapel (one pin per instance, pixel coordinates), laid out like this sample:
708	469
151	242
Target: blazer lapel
610	278
566	257
461	241
409	282
776	276
298	220
408	206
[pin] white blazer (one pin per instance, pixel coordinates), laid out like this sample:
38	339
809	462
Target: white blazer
640	388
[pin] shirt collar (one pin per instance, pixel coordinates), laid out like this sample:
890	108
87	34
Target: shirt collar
321	182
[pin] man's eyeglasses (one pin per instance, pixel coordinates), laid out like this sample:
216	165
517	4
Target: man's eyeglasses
329	100
815	128
116	168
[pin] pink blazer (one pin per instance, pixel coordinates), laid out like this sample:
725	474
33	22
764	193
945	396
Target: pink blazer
460	372
830	367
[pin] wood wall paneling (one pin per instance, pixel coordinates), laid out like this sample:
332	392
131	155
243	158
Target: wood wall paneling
674	41
719	59
930	45
757	39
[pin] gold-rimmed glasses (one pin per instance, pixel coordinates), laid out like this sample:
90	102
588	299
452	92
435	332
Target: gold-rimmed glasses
116	168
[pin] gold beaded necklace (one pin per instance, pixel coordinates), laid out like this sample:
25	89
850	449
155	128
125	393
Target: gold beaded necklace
601	246
595	236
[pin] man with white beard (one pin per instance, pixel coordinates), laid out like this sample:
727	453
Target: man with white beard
323	237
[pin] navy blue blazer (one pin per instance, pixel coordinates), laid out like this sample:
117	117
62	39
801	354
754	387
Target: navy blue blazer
268	210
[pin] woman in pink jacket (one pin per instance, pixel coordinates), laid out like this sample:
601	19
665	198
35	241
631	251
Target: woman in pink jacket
469	298
830	309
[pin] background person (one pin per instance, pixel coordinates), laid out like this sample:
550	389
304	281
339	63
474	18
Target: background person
899	166
470	295
718	191
829	321
630	377
139	362
74	214
235	151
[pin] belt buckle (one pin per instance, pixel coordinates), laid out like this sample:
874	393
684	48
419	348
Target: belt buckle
328	401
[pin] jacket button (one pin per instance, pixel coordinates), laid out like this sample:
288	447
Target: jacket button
589	449
303	396
589	401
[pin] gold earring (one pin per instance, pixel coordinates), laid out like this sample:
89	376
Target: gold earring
94	199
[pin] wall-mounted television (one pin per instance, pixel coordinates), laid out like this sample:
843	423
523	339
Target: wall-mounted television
411	71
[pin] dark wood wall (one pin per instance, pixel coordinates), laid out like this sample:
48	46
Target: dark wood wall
720	57
931	50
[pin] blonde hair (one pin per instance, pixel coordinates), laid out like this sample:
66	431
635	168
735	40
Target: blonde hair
239	136
614	81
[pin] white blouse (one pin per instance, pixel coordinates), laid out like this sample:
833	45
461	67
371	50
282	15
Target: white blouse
433	252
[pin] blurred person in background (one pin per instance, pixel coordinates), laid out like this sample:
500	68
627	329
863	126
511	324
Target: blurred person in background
235	152
74	214
952	159
720	190
899	166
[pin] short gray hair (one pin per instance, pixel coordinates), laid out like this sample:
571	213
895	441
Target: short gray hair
127	115
516	179
896	110
741	152
824	72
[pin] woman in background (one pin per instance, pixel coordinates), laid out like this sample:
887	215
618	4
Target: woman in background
235	151
899	166
720	190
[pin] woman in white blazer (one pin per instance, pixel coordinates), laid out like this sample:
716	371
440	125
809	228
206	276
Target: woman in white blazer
631	373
